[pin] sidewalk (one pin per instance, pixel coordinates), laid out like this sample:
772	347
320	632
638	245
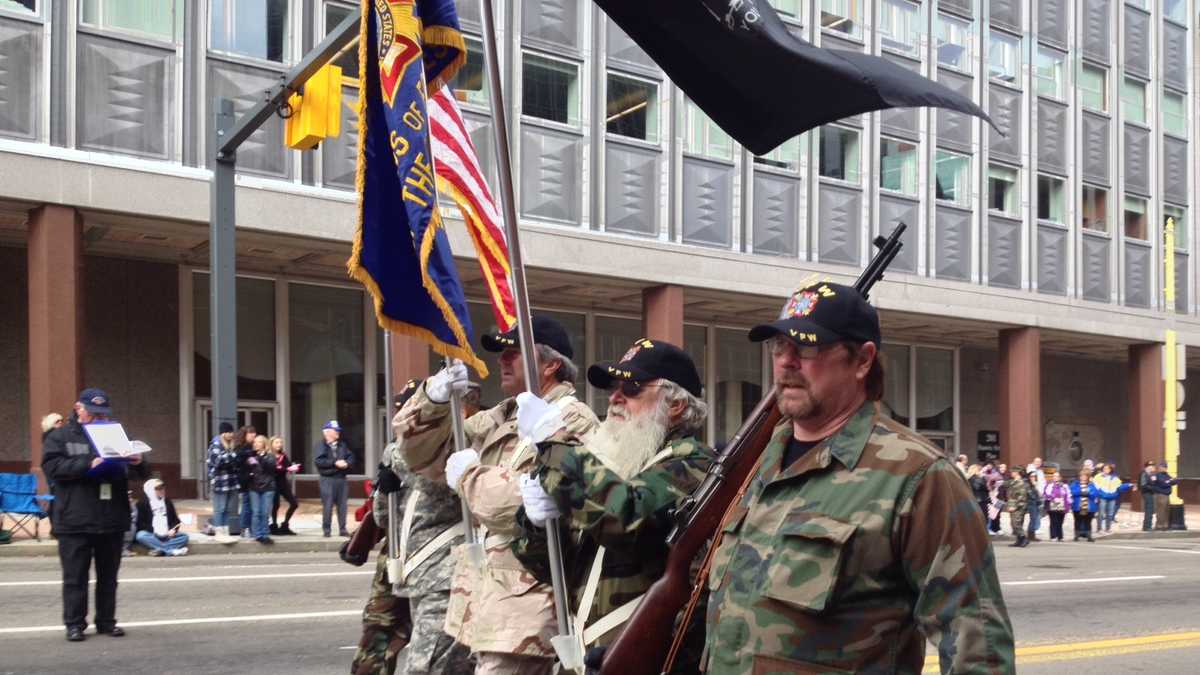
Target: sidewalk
1126	527
306	523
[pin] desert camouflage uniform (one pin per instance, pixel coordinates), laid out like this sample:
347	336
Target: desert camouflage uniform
502	609
629	518
1018	503
843	561
415	616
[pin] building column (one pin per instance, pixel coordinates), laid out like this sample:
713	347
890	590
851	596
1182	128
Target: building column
55	257
410	359
1145	392
1020	395
662	314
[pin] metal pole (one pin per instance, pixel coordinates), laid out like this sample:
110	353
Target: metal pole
475	553
520	294
222	258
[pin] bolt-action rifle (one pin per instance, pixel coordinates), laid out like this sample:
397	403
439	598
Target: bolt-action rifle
644	642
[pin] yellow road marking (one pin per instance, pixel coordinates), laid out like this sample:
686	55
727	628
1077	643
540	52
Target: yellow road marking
1088	650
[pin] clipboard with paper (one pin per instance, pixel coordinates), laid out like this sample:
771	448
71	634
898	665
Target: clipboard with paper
111	442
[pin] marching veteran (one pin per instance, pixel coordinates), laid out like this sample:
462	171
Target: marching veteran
618	487
503	614
857	540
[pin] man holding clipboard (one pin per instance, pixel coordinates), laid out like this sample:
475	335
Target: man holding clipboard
90	509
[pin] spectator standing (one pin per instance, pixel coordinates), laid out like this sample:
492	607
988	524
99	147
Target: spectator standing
245	453
1111	488
1085	501
157	522
1057	501
1037	486
1018	504
334	461
979	488
1162	496
223	480
284	468
1146	487
90	514
262	487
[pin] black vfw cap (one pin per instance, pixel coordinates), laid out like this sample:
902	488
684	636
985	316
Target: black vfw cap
823	313
546	331
648	360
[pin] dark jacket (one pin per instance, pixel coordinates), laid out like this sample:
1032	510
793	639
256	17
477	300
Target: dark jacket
244	454
262	472
145	517
1162	483
282	462
979	488
77	508
326	456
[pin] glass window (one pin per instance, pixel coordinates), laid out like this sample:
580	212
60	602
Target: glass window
22	6
159	18
1048	74
1135	218
787	155
1181	228
1174	114
898	166
550	89
1093	92
1133	101
843	16
935	389
954	41
702	136
325	334
614	336
1144	4
895	360
952	178
1003	191
470	84
255	337
1051	200
789	8
839	153
899	26
739	381
258	29
348	61
1004	58
1175	10
632	108
1093	209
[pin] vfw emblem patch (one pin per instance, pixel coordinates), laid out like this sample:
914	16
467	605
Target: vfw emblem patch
637	347
801	304
398	29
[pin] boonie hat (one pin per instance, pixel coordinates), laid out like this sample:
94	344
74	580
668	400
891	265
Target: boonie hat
823	313
648	360
546	331
95	401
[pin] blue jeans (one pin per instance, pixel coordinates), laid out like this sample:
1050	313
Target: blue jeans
247	513
1108	513
152	542
260	507
1035	515
224	508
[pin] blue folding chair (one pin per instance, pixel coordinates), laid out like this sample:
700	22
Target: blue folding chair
19	502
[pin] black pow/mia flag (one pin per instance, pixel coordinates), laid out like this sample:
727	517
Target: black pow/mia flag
760	83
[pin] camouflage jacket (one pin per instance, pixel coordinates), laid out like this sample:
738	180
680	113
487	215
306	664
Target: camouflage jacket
1018	495
630	519
436	508
503	608
846	559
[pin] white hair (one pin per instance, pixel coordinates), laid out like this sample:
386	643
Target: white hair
50	420
567	370
695	412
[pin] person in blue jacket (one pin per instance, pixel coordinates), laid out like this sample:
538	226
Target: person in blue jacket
1085	501
1111	488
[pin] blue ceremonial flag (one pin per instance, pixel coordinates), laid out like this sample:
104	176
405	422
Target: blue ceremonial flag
408	49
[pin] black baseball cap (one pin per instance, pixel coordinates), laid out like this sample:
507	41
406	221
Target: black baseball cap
546	331
95	401
406	392
823	313
648	360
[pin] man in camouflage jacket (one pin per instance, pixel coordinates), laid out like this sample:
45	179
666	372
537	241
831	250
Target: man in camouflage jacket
502	612
856	538
619	486
1018	504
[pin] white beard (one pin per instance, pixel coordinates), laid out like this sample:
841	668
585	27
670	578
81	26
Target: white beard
626	446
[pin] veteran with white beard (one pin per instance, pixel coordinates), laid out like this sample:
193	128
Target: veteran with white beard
616	489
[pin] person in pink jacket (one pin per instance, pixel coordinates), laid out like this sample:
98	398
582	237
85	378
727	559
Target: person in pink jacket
1057	498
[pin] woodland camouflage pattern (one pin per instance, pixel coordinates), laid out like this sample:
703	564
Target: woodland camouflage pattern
502	608
1018	502
844	561
387	625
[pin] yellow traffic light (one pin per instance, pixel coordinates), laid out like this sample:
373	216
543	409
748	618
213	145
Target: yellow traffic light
317	113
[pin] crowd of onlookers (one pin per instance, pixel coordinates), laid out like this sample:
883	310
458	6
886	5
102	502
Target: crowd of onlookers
248	479
1092	497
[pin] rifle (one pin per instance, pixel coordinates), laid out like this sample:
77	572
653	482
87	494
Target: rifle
644	642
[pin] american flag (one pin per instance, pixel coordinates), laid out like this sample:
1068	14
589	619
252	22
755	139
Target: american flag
461	178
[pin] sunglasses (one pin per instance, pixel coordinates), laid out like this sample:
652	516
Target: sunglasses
630	388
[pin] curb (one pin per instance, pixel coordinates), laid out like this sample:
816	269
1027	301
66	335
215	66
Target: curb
198	546
1119	536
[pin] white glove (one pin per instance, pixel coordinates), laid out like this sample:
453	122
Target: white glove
537	419
539	507
457	464
450	380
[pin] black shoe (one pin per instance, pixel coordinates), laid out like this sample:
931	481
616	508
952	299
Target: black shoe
115	631
344	533
1091	540
266	541
274	529
326	535
75	634
285	530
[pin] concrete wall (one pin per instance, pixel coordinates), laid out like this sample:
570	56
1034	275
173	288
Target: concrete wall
14	357
977	396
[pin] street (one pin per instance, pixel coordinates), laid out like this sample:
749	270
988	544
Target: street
1124	606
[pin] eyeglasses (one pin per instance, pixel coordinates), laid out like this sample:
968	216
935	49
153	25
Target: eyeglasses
630	388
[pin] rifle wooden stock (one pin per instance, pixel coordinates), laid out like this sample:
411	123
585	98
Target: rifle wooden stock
358	550
641	648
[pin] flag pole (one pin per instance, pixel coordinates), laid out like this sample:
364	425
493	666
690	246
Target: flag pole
519	291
